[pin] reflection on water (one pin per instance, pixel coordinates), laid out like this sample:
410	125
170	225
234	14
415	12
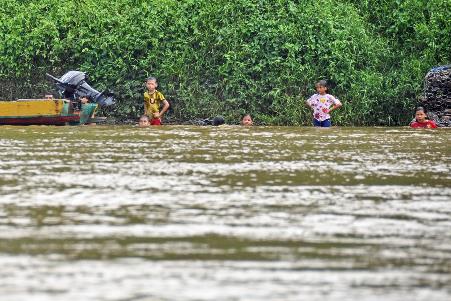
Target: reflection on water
224	213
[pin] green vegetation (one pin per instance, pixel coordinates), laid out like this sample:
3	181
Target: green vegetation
230	57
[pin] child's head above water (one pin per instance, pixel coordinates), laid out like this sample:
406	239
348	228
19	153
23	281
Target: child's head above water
144	121
247	120
420	114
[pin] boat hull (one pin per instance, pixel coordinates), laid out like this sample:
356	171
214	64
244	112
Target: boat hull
40	120
44	112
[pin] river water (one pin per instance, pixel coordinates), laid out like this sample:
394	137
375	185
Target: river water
224	213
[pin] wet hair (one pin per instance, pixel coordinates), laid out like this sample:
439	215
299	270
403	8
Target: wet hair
246	115
321	83
151	78
144	117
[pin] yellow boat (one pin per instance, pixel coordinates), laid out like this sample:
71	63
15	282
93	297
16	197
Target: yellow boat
45	112
70	109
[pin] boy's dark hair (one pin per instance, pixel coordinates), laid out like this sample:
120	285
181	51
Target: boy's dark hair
144	117
151	78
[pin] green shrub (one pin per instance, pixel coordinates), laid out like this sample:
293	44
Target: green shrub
231	57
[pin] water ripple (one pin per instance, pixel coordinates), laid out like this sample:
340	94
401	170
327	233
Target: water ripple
263	213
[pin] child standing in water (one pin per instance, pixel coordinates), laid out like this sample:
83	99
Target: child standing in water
421	120
153	99
321	103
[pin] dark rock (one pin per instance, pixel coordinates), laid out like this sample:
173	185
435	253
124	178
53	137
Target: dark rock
437	95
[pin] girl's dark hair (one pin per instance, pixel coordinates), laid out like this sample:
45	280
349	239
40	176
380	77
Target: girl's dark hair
321	83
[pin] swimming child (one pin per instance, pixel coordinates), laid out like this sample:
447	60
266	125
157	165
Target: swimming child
144	121
321	103
153	99
421	120
247	120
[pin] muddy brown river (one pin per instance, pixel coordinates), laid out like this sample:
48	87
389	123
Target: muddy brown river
115	213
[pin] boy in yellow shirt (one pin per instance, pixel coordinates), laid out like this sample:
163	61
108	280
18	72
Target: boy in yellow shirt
153	99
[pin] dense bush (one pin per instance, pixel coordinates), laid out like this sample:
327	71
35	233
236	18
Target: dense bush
231	57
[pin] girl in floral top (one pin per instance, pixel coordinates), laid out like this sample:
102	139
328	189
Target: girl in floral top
322	104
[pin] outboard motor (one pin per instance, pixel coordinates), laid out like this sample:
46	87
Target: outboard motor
73	86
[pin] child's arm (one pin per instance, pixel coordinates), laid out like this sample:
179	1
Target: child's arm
308	102
337	104
165	108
